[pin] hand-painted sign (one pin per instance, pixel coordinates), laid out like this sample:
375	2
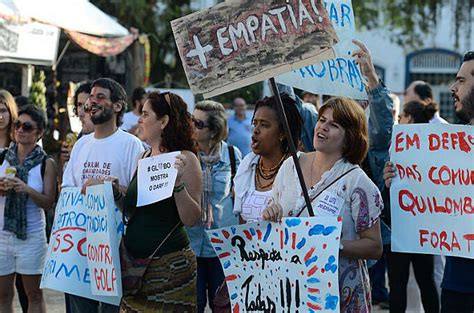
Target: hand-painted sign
66	267
156	178
338	76
102	242
432	202
236	43
287	267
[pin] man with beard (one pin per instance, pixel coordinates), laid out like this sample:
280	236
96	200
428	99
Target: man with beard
458	281
108	152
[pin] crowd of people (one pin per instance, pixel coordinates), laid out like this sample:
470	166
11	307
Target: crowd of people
224	164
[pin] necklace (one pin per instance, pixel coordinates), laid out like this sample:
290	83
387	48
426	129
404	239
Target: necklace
267	174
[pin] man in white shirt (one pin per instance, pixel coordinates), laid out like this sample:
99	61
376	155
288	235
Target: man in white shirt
421	91
109	151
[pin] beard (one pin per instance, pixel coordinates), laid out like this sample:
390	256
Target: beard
105	114
466	113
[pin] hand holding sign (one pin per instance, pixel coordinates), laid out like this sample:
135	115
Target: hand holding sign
157	176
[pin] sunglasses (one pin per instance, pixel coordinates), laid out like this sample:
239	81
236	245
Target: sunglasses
199	124
26	126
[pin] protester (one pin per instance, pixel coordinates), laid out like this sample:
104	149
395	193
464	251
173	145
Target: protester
270	148
240	127
130	119
169	284
312	98
341	143
421	91
24	196
109	146
217	159
423	264
380	120
457	295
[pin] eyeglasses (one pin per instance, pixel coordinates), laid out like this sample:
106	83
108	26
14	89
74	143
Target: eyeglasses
26	126
199	124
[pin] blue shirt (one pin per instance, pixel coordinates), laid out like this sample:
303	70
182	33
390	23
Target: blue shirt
240	133
222	205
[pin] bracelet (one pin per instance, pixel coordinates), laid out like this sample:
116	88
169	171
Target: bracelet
179	188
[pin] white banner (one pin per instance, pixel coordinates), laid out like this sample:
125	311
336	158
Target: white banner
156	177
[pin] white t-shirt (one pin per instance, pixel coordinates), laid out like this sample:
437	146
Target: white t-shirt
116	155
129	120
35	217
254	204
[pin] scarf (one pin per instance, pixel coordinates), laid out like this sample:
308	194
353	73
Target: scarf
15	204
207	162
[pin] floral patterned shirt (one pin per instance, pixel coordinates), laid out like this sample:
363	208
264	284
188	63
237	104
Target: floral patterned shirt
361	205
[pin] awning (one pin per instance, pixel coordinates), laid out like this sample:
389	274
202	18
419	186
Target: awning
72	15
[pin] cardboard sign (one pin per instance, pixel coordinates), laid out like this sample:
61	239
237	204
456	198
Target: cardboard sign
338	76
66	267
432	196
287	267
156	177
237	43
102	243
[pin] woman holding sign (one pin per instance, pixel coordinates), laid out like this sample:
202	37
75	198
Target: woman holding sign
270	148
169	284
219	162
28	187
413	112
337	186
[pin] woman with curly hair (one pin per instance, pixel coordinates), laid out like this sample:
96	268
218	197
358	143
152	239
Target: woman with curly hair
169	284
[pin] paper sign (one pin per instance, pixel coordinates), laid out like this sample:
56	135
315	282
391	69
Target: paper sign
338	76
287	267
237	43
432	202
66	267
102	242
156	178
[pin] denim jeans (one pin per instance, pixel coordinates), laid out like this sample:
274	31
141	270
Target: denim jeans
209	277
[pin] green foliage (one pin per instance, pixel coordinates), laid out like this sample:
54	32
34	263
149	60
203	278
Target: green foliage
153	17
410	20
38	90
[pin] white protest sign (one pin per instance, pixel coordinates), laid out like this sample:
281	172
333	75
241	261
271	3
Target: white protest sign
102	242
66	268
287	267
338	76
156	177
237	43
432	195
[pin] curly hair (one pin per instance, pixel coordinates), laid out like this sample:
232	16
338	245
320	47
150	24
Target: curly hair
178	134
291	111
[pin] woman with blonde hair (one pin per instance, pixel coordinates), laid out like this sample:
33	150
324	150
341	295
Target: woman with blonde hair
219	162
333	172
8	114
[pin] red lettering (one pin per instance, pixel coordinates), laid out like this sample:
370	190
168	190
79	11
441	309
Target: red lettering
57	242
455	243
406	207
401	171
445	141
398	142
413	141
415	169
67	238
442	239
423	232
434	142
430	175
79	246
434	239
469	238
107	257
